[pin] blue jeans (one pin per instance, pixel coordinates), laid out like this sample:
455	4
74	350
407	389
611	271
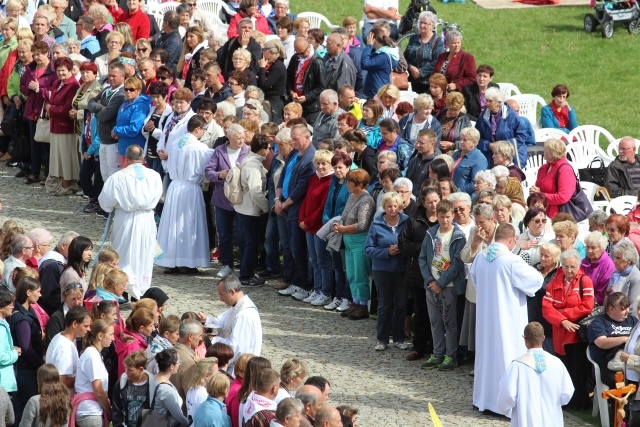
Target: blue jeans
321	263
248	232
287	257
298	252
392	305
272	244
224	225
340	275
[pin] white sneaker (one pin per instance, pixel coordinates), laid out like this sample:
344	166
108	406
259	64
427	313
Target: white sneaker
225	271
344	305
333	305
301	294
312	296
292	289
321	300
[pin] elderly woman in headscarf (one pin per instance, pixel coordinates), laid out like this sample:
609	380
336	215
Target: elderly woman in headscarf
498	122
272	77
512	188
597	264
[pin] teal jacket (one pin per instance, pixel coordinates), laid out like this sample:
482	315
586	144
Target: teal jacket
8	356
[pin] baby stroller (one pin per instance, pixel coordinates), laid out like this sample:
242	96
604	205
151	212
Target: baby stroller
610	11
410	19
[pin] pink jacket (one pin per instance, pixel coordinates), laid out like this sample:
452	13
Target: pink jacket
126	343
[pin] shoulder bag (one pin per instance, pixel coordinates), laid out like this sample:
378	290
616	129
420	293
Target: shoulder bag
586	321
578	205
153	419
43	131
594	173
399	80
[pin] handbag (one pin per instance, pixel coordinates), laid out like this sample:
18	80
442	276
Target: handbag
578	205
153	419
399	80
593	173
588	319
43	131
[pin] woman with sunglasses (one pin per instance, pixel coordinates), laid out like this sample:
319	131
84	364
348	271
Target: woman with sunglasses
143	49
131	116
72	295
535	234
168	75
77	263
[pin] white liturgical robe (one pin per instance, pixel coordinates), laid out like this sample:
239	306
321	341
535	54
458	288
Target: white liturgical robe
132	193
503	281
533	390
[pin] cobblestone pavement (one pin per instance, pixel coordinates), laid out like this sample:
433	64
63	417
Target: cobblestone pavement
388	390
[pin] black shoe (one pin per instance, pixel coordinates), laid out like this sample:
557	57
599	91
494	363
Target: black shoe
91	208
188	270
266	275
102	214
21	174
171	270
253	282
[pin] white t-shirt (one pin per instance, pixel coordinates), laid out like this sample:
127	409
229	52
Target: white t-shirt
90	368
195	396
233	155
441	258
63	354
382	4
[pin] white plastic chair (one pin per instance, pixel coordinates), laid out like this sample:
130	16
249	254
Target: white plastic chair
166	7
215	7
529	106
535	161
591	134
547	133
599	403
316	20
531	175
612	148
621	205
509	89
407	95
583	154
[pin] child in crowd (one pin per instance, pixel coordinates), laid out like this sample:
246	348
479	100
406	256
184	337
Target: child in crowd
212	412
96	279
224	354
198	376
443	272
167	337
134	392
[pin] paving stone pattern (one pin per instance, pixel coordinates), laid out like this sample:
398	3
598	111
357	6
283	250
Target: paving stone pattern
388	390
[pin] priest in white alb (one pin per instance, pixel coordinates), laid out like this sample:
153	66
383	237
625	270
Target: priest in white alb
182	233
239	327
535	386
131	194
503	282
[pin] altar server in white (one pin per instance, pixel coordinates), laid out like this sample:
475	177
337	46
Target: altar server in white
132	193
503	282
535	386
182	234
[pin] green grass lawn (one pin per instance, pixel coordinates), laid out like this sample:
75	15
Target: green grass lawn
538	48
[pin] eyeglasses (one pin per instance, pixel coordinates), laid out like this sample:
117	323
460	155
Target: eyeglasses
540	220
612	230
71	286
625	149
130	89
29	247
459	210
233	84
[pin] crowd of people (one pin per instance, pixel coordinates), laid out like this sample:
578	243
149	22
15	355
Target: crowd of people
294	146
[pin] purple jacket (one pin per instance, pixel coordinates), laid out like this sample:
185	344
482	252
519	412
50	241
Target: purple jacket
35	100
599	272
220	161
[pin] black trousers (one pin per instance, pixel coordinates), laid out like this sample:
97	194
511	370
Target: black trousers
575	360
422	338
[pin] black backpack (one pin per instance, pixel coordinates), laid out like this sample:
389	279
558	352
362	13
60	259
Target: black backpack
410	18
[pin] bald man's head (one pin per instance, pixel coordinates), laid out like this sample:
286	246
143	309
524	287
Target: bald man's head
301	47
514	105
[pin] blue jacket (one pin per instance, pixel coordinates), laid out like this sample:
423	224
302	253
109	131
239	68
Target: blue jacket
330	209
407	122
299	180
548	119
378	65
380	237
455	273
355	53
129	123
8	356
211	413
426	60
403	150
509	129
465	173
90	46
374	135
531	135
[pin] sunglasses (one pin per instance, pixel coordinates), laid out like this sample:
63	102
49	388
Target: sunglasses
142	49
163	78
540	220
130	89
71	286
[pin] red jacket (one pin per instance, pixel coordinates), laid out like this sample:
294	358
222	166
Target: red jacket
461	69
558	306
60	99
261	24
139	23
558	187
313	203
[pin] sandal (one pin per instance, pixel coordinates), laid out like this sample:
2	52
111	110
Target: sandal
31	179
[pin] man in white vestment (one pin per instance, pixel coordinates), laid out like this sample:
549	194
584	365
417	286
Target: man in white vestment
239	327
182	234
503	282
535	386
132	193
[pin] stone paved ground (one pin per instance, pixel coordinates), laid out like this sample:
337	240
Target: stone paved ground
388	390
